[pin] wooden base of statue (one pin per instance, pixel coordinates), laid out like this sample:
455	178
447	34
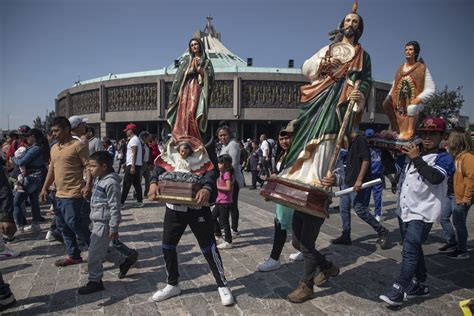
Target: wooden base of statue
390	144
178	192
299	196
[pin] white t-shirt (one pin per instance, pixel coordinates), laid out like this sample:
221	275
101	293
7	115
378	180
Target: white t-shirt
134	142
265	147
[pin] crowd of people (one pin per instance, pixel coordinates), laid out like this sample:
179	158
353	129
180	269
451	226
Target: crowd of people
72	170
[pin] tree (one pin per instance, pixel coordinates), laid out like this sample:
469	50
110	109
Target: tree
46	123
38	123
446	104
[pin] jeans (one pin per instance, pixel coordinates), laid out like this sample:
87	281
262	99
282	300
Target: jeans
72	220
459	221
413	260
360	201
445	221
234	211
279	239
19	208
377	191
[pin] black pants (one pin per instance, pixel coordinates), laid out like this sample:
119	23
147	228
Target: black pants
132	179
146	175
220	217
234	211
256	178
267	166
200	221
279	240
305	232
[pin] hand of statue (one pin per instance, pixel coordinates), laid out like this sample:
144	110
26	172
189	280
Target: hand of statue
335	63
202	196
152	191
356	96
411	150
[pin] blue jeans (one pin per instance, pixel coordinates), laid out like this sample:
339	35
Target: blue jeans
413	260
377	191
72	220
445	221
360	201
19	207
459	221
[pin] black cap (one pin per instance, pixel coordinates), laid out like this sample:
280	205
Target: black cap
23	129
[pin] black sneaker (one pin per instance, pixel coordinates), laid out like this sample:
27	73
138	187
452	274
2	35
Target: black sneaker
342	240
394	296
447	248
127	264
383	239
90	288
415	289
458	255
7	300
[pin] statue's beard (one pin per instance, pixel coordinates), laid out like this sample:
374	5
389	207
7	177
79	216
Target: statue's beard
348	32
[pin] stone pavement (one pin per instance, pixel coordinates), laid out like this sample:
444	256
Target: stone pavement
366	272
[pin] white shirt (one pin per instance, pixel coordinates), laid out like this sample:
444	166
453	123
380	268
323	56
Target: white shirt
265	147
134	142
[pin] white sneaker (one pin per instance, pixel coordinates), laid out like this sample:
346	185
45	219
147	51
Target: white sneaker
269	265
49	236
235	234
20	229
224	245
296	256
378	218
8	253
167	292
226	296
34	227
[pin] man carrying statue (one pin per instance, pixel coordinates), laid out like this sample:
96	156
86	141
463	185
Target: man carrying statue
411	89
340	75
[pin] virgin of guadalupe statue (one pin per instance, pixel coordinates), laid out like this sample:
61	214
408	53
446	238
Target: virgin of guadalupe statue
339	73
188	108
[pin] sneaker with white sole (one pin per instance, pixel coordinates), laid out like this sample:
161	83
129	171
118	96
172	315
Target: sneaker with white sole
226	296
224	245
298	256
378	218
49	236
167	292
269	264
235	234
34	227
8	253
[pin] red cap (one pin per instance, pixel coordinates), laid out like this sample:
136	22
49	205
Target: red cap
432	124
130	126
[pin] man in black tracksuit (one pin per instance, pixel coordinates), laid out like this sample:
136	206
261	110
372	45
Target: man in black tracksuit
199	218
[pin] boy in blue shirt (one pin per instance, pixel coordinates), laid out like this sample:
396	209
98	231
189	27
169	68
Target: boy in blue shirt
422	188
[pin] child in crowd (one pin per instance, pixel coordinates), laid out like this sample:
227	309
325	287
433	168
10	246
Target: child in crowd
105	216
223	201
422	189
460	146
19	185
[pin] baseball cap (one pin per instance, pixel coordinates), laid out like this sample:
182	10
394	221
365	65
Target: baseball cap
76	121
289	129
369	133
432	124
23	129
130	126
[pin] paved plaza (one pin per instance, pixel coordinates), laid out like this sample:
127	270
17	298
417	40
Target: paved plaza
366	271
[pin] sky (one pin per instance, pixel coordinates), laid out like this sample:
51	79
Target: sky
47	45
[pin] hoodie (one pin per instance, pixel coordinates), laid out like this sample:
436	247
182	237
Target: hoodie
105	201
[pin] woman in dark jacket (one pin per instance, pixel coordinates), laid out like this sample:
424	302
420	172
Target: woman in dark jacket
34	160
